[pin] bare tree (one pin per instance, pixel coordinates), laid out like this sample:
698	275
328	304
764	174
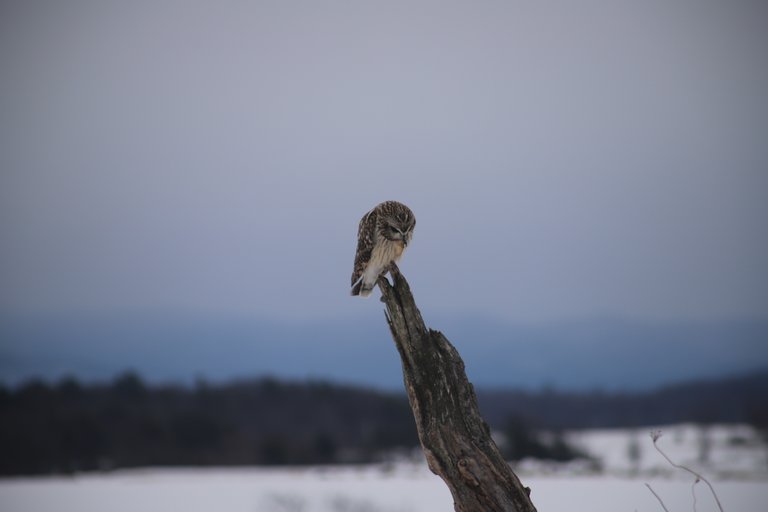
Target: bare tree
456	441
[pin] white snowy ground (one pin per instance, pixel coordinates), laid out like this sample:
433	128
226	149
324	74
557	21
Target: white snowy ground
410	487
725	451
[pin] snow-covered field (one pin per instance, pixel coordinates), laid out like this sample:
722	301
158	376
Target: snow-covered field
408	486
720	451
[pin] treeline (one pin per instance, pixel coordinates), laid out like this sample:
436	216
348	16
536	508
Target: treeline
70	427
740	399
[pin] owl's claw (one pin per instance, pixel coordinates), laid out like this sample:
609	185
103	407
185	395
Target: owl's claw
391	268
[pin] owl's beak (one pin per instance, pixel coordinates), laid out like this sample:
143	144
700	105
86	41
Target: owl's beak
405	242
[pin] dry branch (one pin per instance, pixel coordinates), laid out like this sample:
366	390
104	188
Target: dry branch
455	439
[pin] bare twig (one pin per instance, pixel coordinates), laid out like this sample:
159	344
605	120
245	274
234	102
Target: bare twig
655	435
657	497
693	493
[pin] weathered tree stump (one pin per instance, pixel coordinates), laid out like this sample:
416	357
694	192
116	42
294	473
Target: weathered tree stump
454	437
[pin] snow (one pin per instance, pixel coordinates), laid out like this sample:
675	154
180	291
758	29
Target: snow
407	486
726	451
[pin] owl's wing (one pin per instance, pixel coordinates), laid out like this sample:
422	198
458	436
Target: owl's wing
365	240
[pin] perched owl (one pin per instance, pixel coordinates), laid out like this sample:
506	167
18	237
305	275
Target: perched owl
382	236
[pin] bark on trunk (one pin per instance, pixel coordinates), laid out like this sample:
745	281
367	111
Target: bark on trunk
454	437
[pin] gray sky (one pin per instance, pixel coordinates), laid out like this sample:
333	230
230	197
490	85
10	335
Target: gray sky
563	159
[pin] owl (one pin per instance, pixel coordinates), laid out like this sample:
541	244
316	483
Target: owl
382	236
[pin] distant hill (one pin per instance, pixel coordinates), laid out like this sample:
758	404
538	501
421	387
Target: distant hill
740	399
69	426
582	355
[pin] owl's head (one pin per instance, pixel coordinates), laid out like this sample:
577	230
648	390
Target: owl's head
397	222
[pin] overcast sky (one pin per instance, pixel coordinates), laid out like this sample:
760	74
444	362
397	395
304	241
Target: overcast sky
563	159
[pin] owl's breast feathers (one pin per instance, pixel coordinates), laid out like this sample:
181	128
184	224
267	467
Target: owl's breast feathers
384	253
397	250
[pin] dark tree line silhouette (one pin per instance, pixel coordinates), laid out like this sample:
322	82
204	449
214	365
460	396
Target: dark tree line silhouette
70	426
739	399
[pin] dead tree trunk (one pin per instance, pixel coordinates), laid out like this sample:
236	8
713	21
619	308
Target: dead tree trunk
455	439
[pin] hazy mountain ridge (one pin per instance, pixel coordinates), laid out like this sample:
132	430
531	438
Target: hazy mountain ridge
585	355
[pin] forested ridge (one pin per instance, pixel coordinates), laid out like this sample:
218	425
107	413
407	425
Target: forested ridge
71	426
738	399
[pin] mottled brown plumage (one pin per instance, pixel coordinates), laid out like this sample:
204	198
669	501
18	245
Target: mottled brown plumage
382	236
